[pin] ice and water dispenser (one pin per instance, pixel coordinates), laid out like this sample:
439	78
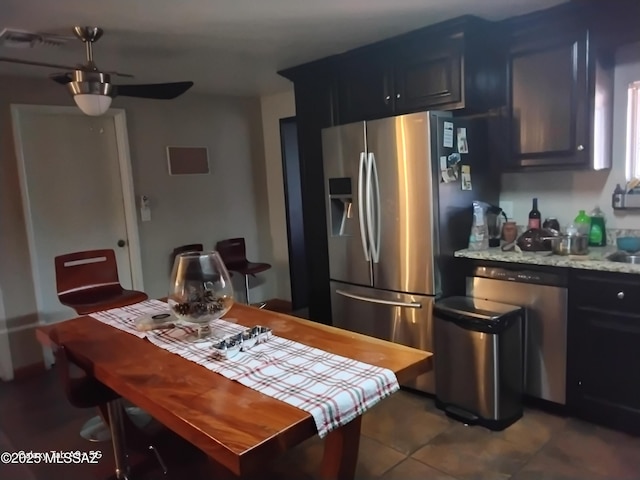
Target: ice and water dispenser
341	206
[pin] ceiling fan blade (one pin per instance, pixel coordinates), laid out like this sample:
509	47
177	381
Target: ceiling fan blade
118	74
37	64
163	91
61	78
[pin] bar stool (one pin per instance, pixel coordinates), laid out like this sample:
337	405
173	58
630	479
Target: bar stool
87	392
88	282
234	255
192	247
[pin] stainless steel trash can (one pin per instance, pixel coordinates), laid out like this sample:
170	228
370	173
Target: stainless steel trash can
478	354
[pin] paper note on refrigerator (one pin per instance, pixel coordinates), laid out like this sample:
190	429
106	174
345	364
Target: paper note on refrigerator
463	146
448	135
466	177
448	173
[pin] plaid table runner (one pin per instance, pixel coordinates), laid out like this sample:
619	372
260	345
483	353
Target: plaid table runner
124	318
332	388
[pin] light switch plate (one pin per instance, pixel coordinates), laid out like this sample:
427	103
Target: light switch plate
507	208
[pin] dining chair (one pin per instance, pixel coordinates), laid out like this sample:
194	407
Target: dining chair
192	247
234	255
86	392
88	282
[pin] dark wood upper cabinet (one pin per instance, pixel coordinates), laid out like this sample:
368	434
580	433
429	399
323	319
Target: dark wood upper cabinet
559	96
365	87
430	77
453	65
548	102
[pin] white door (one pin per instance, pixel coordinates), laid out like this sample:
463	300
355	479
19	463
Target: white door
73	193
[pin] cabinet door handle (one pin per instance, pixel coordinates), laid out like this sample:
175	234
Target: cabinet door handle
580	148
387	98
620	295
397	95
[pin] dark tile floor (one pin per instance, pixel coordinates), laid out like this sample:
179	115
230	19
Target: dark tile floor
404	437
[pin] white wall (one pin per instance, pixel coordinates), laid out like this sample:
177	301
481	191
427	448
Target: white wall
231	201
561	194
275	107
196	208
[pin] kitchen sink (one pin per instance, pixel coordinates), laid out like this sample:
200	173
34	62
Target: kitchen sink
624	257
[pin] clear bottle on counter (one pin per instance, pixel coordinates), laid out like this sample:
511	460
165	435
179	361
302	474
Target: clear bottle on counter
582	222
479	235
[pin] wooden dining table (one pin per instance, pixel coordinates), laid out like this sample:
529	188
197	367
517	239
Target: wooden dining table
239	428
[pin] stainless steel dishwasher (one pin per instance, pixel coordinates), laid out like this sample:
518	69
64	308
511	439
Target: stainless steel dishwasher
544	297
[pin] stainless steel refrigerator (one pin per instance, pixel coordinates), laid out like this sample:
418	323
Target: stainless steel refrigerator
393	222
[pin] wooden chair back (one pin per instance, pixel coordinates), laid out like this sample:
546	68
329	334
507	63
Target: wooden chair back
86	270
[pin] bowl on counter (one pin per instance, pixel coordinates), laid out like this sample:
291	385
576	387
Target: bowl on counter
628	244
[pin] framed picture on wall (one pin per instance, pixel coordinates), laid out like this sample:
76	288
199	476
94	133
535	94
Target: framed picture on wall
188	160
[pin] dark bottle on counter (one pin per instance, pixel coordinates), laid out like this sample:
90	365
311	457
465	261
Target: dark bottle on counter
534	215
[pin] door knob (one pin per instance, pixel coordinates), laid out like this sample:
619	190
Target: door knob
620	295
580	148
121	243
387	98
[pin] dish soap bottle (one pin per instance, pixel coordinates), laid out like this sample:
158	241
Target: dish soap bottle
582	223
597	232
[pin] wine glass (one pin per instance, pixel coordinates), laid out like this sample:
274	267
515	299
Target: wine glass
200	291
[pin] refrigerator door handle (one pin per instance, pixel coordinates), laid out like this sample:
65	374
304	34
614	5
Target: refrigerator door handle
379	300
361	180
375	192
369	206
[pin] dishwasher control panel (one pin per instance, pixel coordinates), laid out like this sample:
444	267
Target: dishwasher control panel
522	276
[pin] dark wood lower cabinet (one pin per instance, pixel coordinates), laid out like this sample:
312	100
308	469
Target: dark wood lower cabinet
604	349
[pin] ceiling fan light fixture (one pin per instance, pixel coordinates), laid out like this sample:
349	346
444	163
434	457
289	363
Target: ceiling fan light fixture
92	104
92	92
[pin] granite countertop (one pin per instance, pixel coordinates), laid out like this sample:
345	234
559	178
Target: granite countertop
594	261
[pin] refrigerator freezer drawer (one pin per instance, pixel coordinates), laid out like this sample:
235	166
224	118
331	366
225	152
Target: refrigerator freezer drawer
398	317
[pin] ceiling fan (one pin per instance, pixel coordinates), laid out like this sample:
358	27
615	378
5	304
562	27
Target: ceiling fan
92	89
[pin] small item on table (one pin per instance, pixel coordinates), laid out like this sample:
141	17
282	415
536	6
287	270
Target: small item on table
230	346
159	321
